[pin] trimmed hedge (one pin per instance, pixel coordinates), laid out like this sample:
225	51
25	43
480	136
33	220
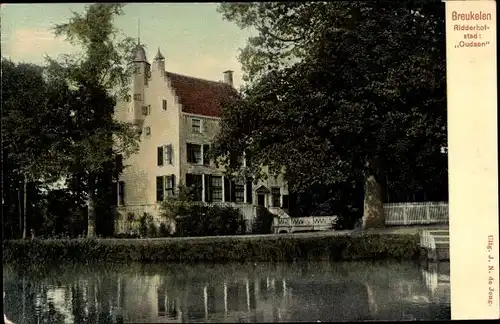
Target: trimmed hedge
216	249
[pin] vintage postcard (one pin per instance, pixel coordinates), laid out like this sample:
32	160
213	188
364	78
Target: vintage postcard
249	162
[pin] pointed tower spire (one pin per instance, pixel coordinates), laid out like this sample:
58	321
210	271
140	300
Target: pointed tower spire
159	56
159	62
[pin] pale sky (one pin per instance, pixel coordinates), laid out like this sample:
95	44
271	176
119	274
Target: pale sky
193	37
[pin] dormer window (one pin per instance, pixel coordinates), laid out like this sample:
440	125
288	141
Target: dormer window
196	125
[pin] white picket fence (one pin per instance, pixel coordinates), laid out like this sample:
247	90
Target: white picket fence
312	223
423	213
402	214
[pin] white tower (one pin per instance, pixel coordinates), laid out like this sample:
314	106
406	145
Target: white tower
159	63
139	82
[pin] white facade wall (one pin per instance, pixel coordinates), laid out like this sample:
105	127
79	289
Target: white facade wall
170	126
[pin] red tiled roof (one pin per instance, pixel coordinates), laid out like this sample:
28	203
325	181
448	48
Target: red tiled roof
198	96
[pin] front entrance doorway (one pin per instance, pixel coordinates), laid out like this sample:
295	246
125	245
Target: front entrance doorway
261	200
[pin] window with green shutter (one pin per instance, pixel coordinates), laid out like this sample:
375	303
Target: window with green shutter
208	187
206	154
194	181
121	193
159	189
168	154
227	189
249	185
160	156
276	196
170	185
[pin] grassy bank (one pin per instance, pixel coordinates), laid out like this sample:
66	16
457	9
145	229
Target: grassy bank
215	249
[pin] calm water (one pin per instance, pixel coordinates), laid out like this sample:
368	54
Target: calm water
283	292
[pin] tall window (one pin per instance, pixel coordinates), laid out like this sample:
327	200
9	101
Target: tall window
239	192
159	156
276	196
169	186
165	187
195	182
164	104
159	189
168	154
216	188
196	125
193	153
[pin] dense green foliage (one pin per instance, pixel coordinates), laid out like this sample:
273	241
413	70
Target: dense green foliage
179	204
216	249
57	124
348	98
32	140
197	219
210	220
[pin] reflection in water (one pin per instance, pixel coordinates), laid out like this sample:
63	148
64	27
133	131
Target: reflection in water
175	293
436	277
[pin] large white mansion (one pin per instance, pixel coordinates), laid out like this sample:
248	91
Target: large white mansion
178	117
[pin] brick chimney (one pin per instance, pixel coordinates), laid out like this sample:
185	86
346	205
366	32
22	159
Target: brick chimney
228	77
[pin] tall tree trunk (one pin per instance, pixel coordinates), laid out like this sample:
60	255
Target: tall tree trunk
25	198
104	206
373	214
91	213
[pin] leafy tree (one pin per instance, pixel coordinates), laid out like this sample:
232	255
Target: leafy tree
62	215
99	77
34	115
339	94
